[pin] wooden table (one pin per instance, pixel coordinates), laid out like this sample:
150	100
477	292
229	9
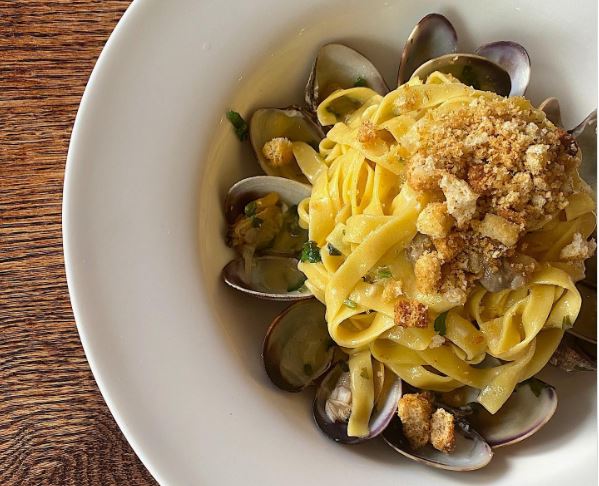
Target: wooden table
54	425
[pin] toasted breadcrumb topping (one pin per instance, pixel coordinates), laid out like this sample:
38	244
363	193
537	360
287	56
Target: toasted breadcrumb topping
503	170
410	313
278	151
414	410
421	426
443	431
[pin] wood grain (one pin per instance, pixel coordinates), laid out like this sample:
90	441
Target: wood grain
55	428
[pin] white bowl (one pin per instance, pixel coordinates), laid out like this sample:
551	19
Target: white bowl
175	353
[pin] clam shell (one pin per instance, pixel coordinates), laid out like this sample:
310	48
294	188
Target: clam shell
552	110
586	137
338	66
513	58
470	69
297	348
432	37
246	190
471	451
384	411
291	123
529	407
262	281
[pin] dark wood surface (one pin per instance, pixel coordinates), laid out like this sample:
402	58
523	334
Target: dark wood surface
55	428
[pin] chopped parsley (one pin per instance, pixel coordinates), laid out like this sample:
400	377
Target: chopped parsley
364	374
383	272
332	250
308	369
350	303
250	209
566	322
360	82
239	124
440	326
257	222
310	252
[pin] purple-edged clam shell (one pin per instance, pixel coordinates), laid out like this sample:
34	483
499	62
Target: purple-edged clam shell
251	188
297	347
383	413
433	36
530	406
292	123
260	283
471	451
472	70
513	58
552	110
338	66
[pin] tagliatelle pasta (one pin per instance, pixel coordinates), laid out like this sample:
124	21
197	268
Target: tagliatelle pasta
362	206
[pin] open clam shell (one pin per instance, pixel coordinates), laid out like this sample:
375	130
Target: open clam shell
470	69
340	67
530	406
269	278
273	273
246	190
586	137
291	123
389	391
471	450
432	37
513	58
552	110
297	348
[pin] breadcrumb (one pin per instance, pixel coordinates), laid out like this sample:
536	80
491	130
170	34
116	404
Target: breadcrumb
427	270
410	313
498	228
414	410
422	173
437	341
393	289
461	199
434	220
278	151
443	431
579	249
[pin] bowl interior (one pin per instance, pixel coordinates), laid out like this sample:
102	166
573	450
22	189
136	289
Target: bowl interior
175	352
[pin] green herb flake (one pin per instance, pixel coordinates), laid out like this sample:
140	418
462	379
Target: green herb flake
239	124
344	366
383	272
310	252
360	82
308	369
250	209
257	222
364	374
440	326
332	250
567	323
350	303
